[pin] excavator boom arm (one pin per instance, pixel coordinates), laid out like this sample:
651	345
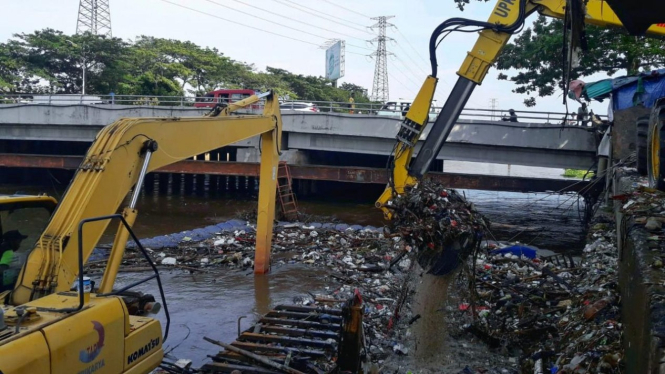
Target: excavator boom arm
507	16
111	169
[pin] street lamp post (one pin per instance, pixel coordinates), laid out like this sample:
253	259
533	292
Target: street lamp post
83	64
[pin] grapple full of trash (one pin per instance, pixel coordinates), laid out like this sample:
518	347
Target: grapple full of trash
439	224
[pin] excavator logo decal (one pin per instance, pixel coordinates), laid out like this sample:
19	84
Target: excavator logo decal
503	8
89	354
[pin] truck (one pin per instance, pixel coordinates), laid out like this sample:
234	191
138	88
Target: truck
223	96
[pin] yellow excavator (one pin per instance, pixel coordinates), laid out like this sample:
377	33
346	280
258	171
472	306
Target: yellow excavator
637	16
47	328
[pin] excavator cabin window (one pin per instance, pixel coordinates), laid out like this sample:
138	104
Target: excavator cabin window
21	224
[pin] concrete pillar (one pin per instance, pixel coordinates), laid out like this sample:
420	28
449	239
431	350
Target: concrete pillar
213	185
248	155
164	183
295	157
149	184
189	183
200	184
176	183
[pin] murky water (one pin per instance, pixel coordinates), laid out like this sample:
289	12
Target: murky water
164	214
430	331
548	221
210	304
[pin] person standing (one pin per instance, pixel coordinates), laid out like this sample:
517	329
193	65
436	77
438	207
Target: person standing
511	118
513	115
582	115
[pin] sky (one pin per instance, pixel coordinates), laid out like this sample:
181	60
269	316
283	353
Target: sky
245	38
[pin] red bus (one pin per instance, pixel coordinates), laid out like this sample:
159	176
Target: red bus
223	96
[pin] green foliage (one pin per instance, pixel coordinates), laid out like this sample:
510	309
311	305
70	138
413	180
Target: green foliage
579	174
50	61
536	55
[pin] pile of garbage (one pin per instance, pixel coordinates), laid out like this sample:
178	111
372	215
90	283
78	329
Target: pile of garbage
315	244
560	314
439	223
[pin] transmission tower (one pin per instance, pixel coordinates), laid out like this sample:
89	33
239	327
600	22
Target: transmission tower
380	87
493	102
94	17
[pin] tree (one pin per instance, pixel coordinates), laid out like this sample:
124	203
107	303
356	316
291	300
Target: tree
462	3
536	54
50	61
58	59
13	72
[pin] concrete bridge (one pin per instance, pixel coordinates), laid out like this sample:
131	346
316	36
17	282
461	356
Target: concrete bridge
530	144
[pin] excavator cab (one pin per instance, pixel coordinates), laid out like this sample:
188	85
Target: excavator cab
22	221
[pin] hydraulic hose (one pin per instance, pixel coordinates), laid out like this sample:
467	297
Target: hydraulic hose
463	22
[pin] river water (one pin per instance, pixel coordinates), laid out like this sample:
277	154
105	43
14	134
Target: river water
210	304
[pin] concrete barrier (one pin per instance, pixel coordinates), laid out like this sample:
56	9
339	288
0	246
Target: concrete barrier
642	290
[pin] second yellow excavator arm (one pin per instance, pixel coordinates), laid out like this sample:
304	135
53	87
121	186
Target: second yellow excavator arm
507	17
118	158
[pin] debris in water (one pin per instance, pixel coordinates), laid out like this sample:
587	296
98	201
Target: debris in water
442	226
561	318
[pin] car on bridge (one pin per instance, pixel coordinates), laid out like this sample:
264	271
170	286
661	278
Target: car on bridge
224	96
299	106
399	107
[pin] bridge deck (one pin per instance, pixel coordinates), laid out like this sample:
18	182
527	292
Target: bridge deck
530	144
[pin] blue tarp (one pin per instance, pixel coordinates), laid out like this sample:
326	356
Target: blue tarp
639	93
629	91
517	250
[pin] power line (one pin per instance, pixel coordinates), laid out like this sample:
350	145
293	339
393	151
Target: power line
239	23
267	20
408	68
280	24
253	28
316	10
406	76
347	9
402	84
408	55
320	16
418	66
293	19
410	45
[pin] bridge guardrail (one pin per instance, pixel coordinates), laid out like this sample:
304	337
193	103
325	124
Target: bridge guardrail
323	106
